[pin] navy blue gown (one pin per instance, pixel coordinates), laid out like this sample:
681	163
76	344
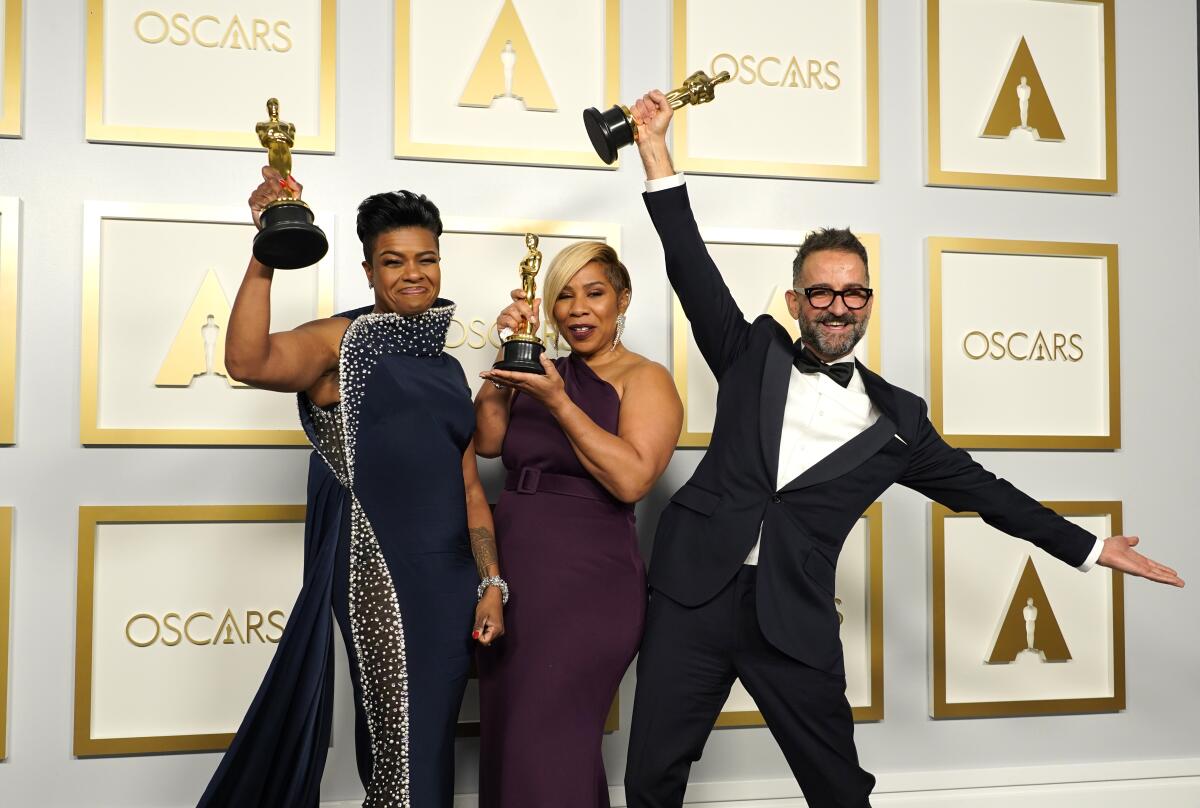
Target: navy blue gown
387	549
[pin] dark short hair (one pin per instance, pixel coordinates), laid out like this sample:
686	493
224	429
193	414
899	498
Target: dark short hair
393	210
829	238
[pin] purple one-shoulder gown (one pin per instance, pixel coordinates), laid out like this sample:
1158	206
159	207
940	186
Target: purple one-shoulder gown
569	552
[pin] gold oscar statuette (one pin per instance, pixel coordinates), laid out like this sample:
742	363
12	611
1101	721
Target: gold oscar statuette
522	351
615	128
288	238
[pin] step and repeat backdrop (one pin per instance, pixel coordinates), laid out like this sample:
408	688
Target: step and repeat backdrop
151	516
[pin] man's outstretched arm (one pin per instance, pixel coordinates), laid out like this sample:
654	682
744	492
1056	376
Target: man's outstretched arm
950	476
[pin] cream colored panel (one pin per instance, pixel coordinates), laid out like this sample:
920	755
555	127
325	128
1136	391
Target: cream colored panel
463	94
1047	383
198	72
982	569
157	273
982	46
1025	352
792	65
11	66
10	215
6	548
1015	631
978	42
181	610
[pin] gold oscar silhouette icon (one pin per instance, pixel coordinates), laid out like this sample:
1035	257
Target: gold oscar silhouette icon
615	128
288	238
1022	103
523	350
197	354
1029	628
508	62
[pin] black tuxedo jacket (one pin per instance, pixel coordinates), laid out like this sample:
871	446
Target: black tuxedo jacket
712	523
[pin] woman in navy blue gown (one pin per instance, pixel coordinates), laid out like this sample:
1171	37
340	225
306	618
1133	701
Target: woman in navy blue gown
398	533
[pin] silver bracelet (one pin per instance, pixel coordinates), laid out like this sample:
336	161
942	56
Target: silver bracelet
496	581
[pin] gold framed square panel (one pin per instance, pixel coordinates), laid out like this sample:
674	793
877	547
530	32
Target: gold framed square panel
480	258
176	78
152	363
1018	632
1021	94
859	585
10	228
6	534
504	81
757	266
790	64
12	62
1024	344
178	612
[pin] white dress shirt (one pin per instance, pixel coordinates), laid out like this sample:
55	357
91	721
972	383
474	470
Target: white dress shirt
820	416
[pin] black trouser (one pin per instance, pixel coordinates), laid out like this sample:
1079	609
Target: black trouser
688	662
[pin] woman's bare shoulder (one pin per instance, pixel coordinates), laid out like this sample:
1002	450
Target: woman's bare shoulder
640	371
329	330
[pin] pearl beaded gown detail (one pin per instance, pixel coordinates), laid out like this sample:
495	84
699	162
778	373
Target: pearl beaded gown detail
386	491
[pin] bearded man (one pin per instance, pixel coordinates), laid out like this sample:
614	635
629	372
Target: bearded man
805	438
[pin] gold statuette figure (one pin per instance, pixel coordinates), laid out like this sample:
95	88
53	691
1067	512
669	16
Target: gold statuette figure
288	239
523	350
615	128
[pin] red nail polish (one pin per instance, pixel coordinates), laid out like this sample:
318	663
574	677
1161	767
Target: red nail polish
475	634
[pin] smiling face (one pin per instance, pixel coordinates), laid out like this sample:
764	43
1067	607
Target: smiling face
830	333
405	270
586	310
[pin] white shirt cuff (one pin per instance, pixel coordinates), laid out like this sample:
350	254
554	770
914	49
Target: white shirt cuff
663	183
1092	556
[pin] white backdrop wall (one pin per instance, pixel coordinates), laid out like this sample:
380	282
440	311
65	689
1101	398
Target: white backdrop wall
1154	218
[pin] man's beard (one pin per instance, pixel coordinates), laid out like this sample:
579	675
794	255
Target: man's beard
832	346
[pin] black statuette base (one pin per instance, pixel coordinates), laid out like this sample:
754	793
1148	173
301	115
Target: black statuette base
522	356
289	239
609	131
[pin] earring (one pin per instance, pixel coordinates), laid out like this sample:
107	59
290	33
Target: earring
620	332
370	285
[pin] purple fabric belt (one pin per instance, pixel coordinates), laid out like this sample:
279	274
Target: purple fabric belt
528	480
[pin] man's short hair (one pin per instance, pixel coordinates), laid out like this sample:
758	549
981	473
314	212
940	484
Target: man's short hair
829	238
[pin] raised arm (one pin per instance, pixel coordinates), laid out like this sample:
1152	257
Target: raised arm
288	361
720	328
492	402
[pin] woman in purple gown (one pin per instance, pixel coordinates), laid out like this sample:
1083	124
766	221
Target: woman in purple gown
581	445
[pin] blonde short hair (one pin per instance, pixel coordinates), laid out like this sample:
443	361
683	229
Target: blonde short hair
574	258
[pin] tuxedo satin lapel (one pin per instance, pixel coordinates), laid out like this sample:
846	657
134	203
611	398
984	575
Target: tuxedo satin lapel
848	456
878	390
777	373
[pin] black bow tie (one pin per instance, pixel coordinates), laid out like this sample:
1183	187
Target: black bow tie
806	362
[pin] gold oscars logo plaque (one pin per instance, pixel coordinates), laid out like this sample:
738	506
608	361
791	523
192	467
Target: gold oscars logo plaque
615	128
288	238
197	355
509	63
1022	104
1029	628
523	350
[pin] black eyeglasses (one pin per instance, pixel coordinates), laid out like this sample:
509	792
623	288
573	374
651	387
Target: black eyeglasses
821	298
